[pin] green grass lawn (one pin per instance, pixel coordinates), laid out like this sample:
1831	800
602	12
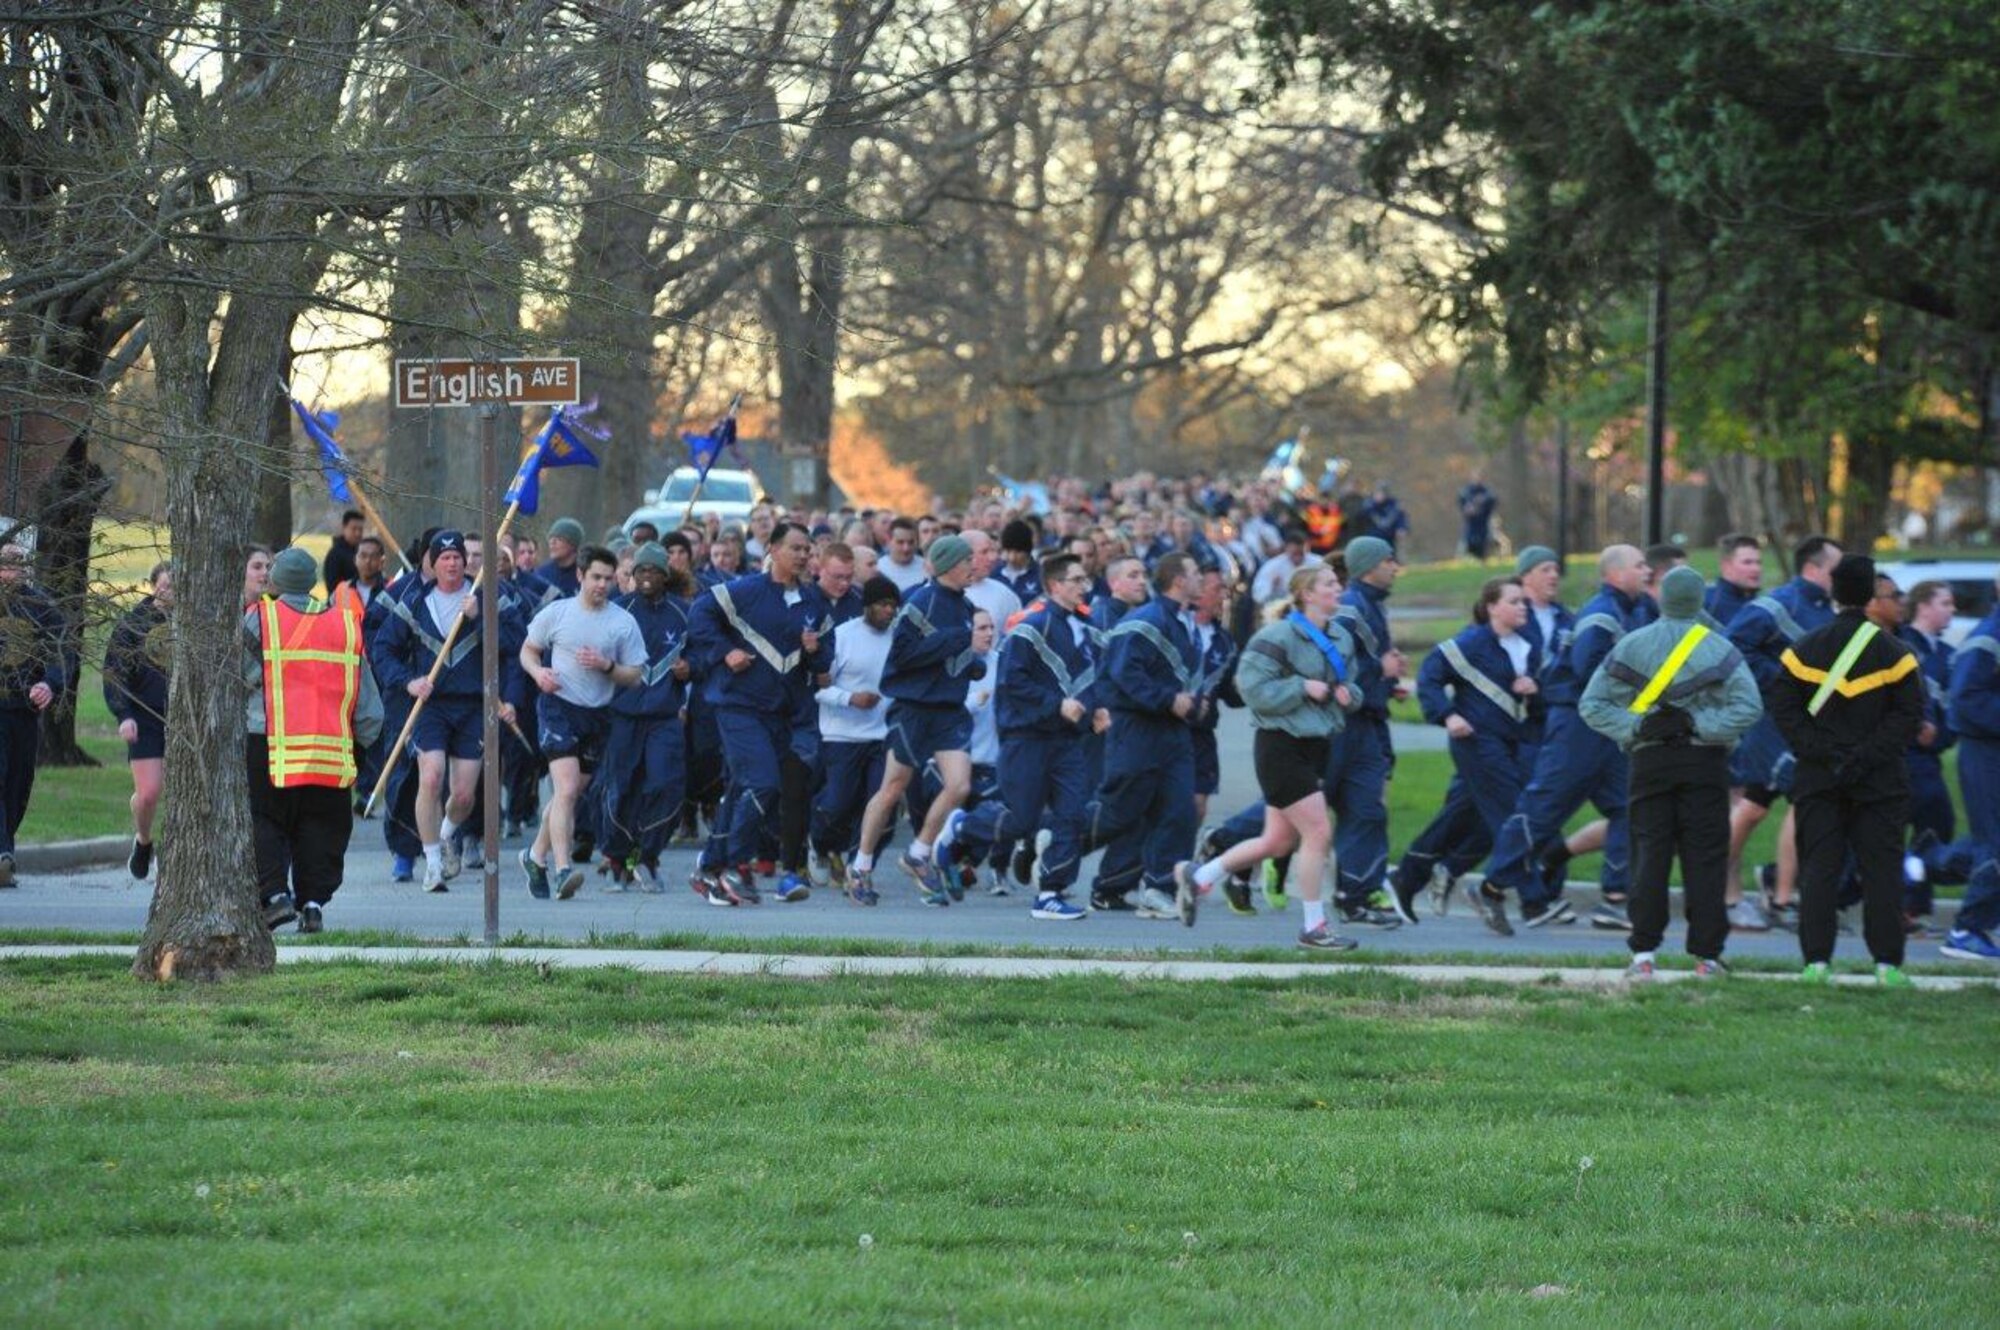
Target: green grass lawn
484	1145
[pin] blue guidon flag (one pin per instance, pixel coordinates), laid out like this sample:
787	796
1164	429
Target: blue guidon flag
559	444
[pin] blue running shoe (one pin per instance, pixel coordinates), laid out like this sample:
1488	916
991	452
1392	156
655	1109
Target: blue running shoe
792	887
1969	944
922	872
538	877
1055	908
861	887
402	868
941	855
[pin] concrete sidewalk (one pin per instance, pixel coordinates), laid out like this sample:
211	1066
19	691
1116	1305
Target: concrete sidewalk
792	966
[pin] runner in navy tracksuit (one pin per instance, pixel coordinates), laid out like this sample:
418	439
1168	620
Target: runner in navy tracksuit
642	775
1480	686
1932	816
449	734
1144	810
931	666
1574	762
1975	860
1044	705
750	642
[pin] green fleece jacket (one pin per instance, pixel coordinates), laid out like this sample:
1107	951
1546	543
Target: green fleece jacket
1714	686
1271	676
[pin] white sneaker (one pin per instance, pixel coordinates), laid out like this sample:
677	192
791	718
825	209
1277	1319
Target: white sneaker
1152	903
1745	917
453	860
434	880
1913	869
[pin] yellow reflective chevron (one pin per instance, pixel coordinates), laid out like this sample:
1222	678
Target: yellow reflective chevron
1663	678
1841	665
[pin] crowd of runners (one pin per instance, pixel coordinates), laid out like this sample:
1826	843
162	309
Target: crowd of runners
1026	681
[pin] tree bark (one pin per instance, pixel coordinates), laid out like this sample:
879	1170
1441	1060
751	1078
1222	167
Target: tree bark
68	512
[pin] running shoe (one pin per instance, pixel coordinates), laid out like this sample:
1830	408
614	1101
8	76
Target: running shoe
1022	863
836	869
1321	937
1274	886
710	889
1187	893
1156	904
962	878
140	862
1365	915
861	887
1640	971
1785	915
1108	904
1892	976
1054	908
402	868
538	877
941	853
1710	968
1236	891
1492	908
1611	915
1745	917
1969	944
278	909
741	882
451	857
792	888
1404	899
646	877
1540	914
996	882
434	880
937	900
1443	882
312	920
923	872
1818	973
568	881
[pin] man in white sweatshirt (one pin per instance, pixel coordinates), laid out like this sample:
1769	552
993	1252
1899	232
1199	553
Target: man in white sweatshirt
853	724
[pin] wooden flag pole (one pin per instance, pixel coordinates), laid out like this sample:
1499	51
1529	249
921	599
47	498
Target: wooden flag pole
361	498
395	753
688	514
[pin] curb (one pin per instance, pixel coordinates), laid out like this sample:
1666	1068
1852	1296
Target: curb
64	856
715	964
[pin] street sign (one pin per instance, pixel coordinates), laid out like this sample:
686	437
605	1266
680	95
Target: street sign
487	382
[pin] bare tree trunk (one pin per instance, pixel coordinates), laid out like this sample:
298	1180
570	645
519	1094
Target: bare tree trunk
204	922
274	523
68	510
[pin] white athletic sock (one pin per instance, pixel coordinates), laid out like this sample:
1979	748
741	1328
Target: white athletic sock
1645	956
434	857
448	831
1315	914
920	850
863	862
1210	873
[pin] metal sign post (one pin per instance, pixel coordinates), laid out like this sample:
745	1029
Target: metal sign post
488	386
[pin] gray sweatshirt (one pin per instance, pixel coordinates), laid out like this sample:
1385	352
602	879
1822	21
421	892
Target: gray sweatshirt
1714	686
1271	676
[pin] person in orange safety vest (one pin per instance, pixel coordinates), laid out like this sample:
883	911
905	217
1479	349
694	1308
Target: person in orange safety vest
313	706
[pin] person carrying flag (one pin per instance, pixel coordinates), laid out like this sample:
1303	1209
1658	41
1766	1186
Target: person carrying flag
447	739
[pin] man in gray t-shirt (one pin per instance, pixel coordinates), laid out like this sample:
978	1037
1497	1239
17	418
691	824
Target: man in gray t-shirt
579	652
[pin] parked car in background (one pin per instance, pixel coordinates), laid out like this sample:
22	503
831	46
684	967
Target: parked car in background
1971	586
729	495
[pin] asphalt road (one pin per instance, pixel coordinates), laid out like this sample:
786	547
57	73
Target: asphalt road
108	900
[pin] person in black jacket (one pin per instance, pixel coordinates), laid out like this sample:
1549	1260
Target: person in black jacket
1849	700
135	690
35	670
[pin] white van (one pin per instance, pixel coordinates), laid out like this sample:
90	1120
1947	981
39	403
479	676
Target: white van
729	495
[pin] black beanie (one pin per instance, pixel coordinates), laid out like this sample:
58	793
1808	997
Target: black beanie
1017	535
1853	581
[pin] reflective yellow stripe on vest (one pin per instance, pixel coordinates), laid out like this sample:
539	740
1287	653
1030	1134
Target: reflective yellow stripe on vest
1841	665
1663	679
